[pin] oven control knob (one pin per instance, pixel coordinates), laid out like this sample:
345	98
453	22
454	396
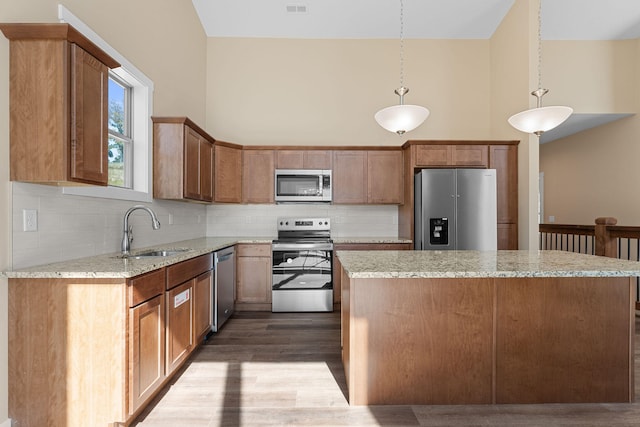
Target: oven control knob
289	260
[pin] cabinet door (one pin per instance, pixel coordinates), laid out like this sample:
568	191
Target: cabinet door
257	176
202	315
89	99
349	177
317	159
290	159
191	164
254	274
384	175
433	155
179	325
470	155
146	350
504	159
227	174
507	236
206	171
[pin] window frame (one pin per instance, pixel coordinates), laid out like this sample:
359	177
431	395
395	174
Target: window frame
126	137
141	126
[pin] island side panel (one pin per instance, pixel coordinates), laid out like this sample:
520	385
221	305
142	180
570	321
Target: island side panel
345	325
420	341
66	352
564	340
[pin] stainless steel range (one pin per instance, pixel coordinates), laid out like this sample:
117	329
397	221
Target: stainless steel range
302	265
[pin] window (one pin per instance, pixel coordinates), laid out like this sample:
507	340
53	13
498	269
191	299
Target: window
130	131
120	154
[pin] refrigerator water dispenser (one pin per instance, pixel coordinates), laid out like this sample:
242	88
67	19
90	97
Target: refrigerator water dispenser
439	231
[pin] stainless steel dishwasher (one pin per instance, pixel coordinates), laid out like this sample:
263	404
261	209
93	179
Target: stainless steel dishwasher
225	286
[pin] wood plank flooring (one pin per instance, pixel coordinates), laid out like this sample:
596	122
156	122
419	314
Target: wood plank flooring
283	369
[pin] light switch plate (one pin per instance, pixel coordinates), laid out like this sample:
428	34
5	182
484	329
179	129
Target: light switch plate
29	220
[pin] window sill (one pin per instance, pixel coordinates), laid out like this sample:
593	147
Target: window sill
109	193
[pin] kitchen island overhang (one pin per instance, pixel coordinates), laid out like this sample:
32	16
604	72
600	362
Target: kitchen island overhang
469	327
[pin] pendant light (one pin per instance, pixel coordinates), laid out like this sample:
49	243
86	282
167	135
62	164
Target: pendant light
401	118
540	119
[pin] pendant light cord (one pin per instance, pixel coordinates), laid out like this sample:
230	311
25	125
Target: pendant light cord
401	44
539	44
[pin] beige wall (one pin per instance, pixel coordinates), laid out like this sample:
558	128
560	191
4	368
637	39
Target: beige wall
163	39
594	173
512	78
326	92
592	76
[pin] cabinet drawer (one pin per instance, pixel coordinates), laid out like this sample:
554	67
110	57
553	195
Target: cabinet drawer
145	287
258	250
433	155
471	155
185	270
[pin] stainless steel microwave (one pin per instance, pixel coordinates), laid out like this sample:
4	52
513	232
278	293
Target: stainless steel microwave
302	185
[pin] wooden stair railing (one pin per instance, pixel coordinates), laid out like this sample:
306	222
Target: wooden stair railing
605	238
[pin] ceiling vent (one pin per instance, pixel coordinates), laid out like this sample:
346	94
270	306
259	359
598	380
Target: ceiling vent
296	8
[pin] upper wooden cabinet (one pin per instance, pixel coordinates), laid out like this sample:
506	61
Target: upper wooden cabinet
384	177
503	158
349	176
58	105
367	177
452	155
258	168
182	160
303	159
227	173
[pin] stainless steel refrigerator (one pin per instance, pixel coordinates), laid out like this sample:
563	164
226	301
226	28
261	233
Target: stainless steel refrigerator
455	209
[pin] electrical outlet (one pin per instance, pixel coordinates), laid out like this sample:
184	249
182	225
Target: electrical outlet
29	220
170	219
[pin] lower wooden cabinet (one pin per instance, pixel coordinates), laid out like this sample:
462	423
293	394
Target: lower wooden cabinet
146	350
253	276
179	324
202	300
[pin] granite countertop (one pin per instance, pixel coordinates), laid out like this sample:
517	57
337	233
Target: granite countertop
112	266
371	240
478	264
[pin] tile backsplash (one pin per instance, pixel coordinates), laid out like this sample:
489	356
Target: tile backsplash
75	226
260	220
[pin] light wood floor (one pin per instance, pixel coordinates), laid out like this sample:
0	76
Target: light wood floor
281	369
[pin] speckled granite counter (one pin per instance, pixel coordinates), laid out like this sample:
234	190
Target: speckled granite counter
370	240
476	264
113	266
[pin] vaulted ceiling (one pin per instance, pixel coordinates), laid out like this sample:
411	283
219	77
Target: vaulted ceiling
431	19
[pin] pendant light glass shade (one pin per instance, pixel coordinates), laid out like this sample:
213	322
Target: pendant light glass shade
401	118
540	119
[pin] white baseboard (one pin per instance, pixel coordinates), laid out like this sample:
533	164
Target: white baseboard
7	423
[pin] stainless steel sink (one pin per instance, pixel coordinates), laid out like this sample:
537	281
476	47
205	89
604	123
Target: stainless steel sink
156	253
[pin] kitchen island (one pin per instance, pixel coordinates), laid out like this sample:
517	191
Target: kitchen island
469	327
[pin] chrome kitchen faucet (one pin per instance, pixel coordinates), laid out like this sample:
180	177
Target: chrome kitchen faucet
127	237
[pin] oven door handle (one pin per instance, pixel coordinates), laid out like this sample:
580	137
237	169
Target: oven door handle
302	246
